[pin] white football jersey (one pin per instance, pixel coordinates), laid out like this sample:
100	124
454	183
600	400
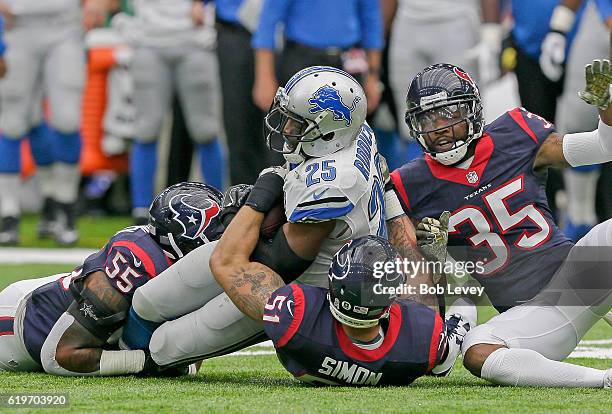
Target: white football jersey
345	186
28	7
437	10
169	23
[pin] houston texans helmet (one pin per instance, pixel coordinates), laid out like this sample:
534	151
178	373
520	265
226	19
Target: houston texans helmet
442	101
185	216
357	285
318	112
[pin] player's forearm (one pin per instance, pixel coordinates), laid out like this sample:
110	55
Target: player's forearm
402	237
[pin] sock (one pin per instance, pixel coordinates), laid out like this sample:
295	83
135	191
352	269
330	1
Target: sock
212	163
66	179
9	202
41	144
10	155
525	367
45	180
580	188
137	332
143	164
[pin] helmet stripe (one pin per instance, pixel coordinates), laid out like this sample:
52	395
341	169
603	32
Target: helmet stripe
315	69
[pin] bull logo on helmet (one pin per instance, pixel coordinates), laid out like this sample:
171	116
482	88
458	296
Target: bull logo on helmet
327	98
193	220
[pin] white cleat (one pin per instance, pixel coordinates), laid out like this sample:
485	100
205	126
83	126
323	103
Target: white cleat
608	318
607	382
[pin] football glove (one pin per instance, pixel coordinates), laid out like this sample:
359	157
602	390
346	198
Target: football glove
268	189
598	77
552	56
432	237
233	199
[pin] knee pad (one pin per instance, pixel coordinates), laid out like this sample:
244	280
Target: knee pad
144	308
481	334
66	147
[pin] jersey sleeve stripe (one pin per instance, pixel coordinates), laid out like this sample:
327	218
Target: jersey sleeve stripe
7	325
435	342
518	118
399	185
141	254
323	201
299	304
321	213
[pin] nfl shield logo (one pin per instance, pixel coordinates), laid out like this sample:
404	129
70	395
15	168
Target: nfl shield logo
472	177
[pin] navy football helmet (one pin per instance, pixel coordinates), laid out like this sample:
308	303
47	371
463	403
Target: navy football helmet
185	216
440	99
356	280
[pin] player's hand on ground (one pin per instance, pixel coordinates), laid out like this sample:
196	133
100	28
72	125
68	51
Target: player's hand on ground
432	237
233	199
552	56
268	189
598	76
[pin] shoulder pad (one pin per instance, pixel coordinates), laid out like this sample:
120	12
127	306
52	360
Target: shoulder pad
323	188
284	313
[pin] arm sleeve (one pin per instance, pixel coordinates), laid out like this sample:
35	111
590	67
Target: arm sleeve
371	24
272	13
535	128
283	314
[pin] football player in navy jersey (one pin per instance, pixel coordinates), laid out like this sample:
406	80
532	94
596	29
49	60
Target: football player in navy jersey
492	180
355	333
68	324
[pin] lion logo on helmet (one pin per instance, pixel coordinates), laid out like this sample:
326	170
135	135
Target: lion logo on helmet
189	216
327	98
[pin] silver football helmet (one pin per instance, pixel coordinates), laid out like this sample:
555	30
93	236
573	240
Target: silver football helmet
318	112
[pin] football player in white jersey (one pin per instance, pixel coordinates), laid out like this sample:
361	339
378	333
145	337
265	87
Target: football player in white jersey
46	58
333	193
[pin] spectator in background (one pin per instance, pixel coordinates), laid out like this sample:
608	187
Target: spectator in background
542	35
173	53
242	119
592	41
46	58
318	32
425	32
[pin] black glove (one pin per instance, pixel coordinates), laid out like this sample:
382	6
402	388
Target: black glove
268	189
233	199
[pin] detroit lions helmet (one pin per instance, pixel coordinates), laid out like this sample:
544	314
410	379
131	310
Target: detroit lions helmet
358	285
318	112
185	216
440	99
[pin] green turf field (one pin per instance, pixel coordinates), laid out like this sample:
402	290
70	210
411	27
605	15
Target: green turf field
258	383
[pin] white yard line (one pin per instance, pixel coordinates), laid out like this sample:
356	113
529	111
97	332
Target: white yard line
19	255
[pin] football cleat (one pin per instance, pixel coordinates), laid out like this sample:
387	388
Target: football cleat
46	224
65	231
607	382
460	318
9	232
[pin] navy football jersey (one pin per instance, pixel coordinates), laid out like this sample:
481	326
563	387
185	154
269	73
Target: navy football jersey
129	259
500	215
313	347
